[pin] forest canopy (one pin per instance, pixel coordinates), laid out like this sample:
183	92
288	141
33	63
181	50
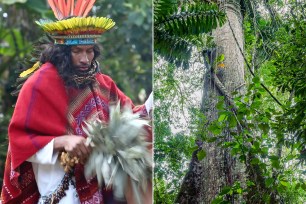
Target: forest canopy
243	144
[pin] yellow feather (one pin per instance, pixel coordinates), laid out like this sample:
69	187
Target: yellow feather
74	23
30	70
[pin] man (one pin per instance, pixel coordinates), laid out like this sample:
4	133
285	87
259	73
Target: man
52	107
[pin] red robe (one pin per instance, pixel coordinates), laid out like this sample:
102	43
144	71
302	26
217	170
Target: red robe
44	110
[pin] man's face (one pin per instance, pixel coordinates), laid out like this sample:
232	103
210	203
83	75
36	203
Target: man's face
82	56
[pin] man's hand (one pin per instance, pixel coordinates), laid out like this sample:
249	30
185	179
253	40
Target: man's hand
74	145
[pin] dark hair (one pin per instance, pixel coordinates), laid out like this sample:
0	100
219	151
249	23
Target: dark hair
60	57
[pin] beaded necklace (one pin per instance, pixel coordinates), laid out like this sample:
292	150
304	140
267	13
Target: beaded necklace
59	192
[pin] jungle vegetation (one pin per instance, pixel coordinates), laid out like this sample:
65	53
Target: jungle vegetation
217	140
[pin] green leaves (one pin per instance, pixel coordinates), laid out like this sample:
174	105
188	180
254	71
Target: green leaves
201	155
11	38
269	182
222	117
127	49
256	80
215	128
268	139
176	32
164	8
228	190
284	183
13	1
193	19
40	7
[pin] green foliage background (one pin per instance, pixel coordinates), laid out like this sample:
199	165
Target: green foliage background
126	49
272	130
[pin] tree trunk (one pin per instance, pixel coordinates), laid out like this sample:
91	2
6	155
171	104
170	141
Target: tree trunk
206	178
219	168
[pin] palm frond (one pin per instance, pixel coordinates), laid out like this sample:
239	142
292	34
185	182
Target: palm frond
193	19
178	28
164	7
175	50
120	151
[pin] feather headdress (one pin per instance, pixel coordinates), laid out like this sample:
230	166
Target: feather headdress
119	152
73	27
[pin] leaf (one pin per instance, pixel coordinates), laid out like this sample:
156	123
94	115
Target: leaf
225	190
275	164
38	6
264	127
215	129
250	183
284	183
256	80
201	155
222	117
220	58
298	185
303	186
242	158
274	157
192	149
268	182
220	104
255	161
13	42
217	200
256	146
232	121
290	157
212	139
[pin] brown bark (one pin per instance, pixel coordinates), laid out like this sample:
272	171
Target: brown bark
218	168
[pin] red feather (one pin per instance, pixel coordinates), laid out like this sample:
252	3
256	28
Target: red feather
77	7
53	7
58	9
83	6
71	7
61	7
65	8
89	7
68	5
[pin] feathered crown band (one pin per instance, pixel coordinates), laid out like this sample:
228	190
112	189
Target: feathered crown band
78	29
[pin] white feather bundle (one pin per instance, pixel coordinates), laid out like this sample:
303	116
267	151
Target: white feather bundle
119	151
